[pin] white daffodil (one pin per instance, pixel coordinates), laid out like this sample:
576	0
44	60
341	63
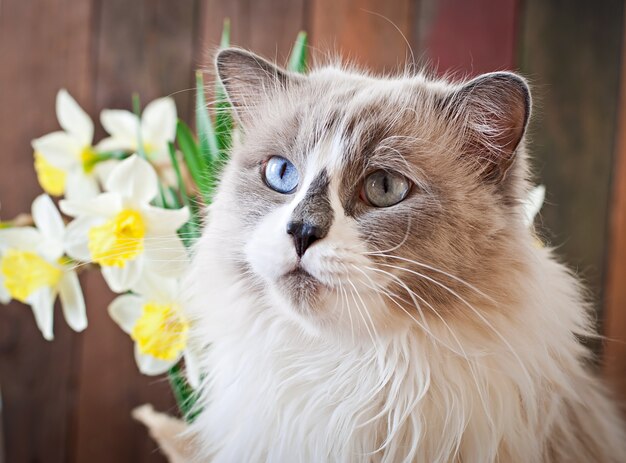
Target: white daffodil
65	161
122	232
34	271
156	128
533	204
155	320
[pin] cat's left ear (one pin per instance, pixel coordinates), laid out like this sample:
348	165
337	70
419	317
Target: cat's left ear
494	110
250	80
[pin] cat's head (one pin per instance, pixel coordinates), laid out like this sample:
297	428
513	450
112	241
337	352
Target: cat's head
359	204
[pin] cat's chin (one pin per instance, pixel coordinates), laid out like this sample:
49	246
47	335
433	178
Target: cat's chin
302	294
300	287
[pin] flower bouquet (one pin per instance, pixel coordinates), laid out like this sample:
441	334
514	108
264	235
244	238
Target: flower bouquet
131	207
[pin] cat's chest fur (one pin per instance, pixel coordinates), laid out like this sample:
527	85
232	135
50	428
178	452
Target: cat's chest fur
276	395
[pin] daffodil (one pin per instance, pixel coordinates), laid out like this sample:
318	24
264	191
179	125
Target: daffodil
65	161
156	128
155	320
533	204
33	269
122	232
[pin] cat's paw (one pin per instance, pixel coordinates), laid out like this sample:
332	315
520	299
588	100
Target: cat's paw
167	431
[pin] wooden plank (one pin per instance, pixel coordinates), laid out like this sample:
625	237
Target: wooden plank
370	33
467	38
267	27
615	287
146	47
42	49
571	53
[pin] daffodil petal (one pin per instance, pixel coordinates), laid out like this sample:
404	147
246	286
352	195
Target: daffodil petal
47	218
161	221
125	310
5	297
76	238
80	185
166	255
134	179
122	125
72	301
73	118
103	205
158	121
103	170
59	149
23	238
192	366
155	287
151	366
42	303
533	204
161	155
122	279
113	144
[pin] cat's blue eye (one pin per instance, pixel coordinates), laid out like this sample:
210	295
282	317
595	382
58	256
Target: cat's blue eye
384	189
281	175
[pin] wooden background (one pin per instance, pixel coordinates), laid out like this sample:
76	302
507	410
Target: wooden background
70	400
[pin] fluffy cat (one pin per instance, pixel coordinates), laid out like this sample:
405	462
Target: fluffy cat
367	290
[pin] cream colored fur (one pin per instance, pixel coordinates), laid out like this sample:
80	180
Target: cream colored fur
455	343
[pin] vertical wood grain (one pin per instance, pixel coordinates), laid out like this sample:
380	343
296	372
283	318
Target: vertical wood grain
268	27
43	47
571	52
143	46
374	34
615	288
467	38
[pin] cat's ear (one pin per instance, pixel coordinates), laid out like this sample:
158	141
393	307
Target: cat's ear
250	79
494	110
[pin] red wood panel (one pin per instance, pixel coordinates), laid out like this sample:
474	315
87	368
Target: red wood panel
615	288
468	38
374	34
42	49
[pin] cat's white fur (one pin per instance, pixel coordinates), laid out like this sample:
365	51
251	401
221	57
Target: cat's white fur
510	386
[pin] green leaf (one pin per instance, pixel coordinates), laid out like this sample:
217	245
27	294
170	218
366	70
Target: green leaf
225	40
196	163
137	110
186	397
190	231
298	58
223	110
206	134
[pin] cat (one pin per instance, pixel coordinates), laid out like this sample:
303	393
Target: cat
366	288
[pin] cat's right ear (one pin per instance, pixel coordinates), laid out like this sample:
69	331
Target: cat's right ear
250	80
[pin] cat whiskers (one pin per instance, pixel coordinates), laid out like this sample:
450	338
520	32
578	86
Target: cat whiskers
463	354
434	269
472	308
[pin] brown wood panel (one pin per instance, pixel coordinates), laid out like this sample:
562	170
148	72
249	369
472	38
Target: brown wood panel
372	33
42	48
143	46
452	37
267	27
615	288
571	53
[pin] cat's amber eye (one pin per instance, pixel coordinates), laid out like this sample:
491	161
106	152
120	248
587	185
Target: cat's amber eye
384	189
280	175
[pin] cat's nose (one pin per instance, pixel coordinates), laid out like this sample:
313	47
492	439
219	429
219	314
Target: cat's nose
304	235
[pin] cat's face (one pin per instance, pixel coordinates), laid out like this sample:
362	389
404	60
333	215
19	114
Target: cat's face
360	204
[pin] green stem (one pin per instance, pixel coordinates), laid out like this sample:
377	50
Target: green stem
137	110
185	396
